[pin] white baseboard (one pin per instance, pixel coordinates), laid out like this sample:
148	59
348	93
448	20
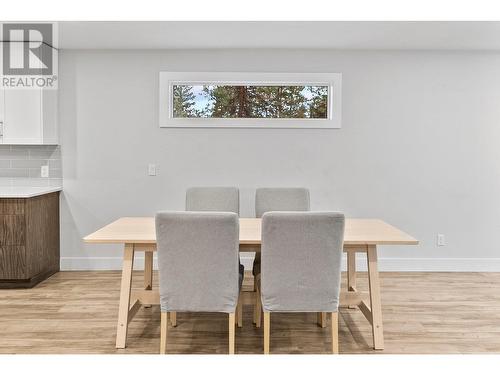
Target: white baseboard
385	264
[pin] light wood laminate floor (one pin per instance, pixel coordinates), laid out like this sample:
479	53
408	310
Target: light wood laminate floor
76	312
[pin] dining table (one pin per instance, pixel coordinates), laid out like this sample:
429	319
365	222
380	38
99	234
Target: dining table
138	235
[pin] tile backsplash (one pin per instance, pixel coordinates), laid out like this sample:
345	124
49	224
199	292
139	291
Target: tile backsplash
20	165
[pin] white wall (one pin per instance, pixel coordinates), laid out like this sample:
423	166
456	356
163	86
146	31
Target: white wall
419	147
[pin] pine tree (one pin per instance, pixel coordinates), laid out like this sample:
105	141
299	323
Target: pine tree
229	101
184	100
319	103
226	101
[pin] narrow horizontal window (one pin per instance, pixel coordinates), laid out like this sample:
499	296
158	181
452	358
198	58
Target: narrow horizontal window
232	101
250	100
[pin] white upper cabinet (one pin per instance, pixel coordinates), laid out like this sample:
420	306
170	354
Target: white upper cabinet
28	116
22	117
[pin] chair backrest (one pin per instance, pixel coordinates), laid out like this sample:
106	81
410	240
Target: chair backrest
281	199
198	261
221	199
301	260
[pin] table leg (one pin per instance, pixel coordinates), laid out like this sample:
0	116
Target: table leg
351	273
321	319
375	303
148	271
173	318
123	312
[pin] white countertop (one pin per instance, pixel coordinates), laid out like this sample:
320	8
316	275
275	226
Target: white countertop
25	191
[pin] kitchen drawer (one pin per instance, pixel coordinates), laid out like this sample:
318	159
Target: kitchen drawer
11	206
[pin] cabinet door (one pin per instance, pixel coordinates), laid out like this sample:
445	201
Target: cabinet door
23	116
29	115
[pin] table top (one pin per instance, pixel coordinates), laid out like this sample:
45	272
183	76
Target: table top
141	230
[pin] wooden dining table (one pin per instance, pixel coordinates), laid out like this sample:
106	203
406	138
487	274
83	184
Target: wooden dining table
137	234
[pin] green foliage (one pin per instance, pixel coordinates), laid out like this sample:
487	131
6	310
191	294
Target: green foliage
318	106
226	101
184	101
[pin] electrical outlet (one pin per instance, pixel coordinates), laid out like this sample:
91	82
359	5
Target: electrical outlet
152	169
441	240
44	171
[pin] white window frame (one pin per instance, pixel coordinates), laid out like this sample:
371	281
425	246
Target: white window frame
332	80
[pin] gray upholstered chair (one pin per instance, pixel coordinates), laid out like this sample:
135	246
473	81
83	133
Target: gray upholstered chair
281	199
220	199
198	265
275	199
301	260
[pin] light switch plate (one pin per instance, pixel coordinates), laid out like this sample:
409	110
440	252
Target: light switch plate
441	240
152	169
44	171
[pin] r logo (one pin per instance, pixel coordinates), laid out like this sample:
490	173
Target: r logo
30	49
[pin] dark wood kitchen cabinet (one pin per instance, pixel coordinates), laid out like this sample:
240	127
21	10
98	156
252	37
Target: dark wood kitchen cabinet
29	240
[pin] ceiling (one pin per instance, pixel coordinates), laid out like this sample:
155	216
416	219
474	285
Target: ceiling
328	35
